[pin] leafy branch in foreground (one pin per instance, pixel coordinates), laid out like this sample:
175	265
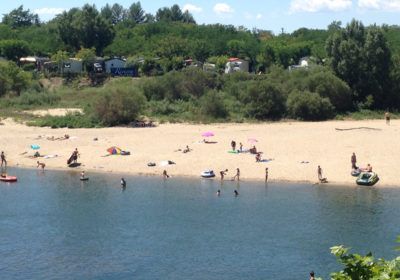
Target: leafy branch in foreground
359	267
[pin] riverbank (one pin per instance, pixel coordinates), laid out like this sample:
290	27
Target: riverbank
291	150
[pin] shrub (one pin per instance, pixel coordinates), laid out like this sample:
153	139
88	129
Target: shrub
117	106
330	86
212	105
309	106
263	100
71	120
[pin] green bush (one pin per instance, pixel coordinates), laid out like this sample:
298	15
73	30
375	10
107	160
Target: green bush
212	105
309	106
117	106
263	100
71	120
328	85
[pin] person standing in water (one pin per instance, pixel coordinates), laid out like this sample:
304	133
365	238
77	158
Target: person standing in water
83	175
237	175
235	192
266	175
123	183
165	175
218	193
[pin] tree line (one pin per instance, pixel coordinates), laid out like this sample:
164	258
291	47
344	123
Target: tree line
362	62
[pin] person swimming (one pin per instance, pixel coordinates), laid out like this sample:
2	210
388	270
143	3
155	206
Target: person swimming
235	192
218	193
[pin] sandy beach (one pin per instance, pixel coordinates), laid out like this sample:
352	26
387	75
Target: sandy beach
292	150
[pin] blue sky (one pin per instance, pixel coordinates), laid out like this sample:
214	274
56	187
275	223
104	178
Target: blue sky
268	14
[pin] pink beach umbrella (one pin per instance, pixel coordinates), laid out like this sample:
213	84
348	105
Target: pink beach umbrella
252	140
207	134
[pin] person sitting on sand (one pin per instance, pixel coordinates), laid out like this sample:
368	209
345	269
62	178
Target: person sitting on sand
368	168
258	157
186	150
41	164
165	174
253	150
223	173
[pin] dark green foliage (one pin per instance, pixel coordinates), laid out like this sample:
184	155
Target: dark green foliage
212	105
84	28
20	18
263	100
330	86
13	79
309	106
14	49
362	58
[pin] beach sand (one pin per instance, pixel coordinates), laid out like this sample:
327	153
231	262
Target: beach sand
293	149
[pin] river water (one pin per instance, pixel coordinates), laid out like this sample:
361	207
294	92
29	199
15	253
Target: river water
53	226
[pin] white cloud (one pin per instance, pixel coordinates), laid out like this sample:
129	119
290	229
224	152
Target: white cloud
192	8
223	8
49	11
319	5
259	16
389	5
369	4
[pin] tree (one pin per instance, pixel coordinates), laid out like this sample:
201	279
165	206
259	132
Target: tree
114	14
14	49
308	106
361	58
174	14
12	78
20	18
87	56
85	27
136	13
263	100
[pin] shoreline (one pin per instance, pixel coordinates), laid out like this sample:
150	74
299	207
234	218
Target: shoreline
216	178
293	150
